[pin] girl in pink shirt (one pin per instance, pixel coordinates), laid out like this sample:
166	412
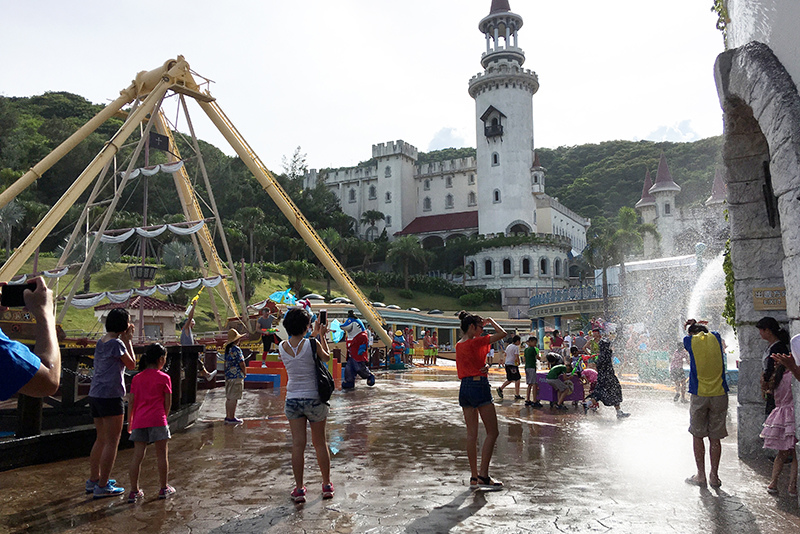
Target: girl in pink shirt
149	403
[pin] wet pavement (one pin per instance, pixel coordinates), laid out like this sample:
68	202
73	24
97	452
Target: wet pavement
399	465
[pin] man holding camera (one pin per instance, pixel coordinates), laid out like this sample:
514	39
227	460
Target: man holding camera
37	373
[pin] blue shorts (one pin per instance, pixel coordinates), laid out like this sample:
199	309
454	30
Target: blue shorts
312	409
475	392
150	434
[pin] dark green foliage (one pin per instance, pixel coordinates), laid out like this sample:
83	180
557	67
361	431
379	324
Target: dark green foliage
445	154
376	296
181	296
470	300
421	283
405	294
595	180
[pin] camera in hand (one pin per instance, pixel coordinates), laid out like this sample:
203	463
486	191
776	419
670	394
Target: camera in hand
323	316
12	295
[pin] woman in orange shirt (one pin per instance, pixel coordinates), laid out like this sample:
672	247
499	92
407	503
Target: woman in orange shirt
475	395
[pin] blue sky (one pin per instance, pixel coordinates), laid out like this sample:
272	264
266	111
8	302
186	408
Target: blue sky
336	77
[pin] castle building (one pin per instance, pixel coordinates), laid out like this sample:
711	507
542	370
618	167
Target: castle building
680	229
501	191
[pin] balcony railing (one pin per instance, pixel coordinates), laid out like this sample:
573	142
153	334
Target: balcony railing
573	293
493	131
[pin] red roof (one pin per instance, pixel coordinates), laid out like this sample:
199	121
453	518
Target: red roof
647	199
149	303
465	220
664	181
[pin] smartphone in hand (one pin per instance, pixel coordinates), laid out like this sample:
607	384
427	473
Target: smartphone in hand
11	296
323	316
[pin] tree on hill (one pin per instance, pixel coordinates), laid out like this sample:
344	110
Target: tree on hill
404	251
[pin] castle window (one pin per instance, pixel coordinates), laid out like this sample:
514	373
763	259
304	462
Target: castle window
535	179
372	233
506	266
388	220
487	267
472	199
526	266
448	181
543	266
372	193
352	197
471	268
388	197
448	202
495	159
426	185
471	179
388	172
666	209
557	267
426	204
496	196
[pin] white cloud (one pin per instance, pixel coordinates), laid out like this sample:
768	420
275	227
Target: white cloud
681	132
446	138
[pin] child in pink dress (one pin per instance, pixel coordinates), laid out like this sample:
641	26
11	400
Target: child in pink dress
778	432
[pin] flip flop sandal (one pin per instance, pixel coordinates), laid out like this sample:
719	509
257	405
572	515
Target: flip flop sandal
716	485
772	491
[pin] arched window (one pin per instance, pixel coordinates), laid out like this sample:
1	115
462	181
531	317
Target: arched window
373	194
426	204
666	209
557	267
496	196
487	267
426	185
472	199
448	202
471	179
495	159
526	266
506	266
472	268
388	220
372	233
387	172
352	196
448	181
543	266
388	197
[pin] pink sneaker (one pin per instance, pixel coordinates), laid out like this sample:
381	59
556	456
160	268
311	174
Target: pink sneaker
163	493
327	491
299	494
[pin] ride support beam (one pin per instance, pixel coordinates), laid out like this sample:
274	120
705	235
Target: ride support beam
295	217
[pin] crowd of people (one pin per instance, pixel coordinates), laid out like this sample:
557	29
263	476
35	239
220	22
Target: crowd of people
575	359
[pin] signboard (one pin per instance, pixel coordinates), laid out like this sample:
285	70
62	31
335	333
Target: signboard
769	298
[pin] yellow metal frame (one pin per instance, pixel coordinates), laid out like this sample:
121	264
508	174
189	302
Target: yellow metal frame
175	75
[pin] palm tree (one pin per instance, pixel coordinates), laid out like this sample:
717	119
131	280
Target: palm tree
405	250
11	216
297	270
628	238
371	217
347	246
249	219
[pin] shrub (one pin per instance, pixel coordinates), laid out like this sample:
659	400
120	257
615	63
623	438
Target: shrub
376	295
405	294
470	300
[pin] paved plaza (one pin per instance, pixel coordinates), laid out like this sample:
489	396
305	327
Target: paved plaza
399	465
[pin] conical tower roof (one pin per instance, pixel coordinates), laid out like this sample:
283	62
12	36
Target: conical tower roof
664	181
500	6
647	199
719	191
536	160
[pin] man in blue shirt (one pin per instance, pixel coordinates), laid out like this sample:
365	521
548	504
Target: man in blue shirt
37	373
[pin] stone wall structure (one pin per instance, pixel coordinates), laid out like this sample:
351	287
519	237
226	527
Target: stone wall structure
761	155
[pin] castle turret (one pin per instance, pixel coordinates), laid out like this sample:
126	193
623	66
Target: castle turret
537	176
504	126
719	191
647	210
664	191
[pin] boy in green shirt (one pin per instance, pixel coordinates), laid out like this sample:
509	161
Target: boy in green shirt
564	387
531	355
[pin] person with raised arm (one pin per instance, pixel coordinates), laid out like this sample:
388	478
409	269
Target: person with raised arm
475	395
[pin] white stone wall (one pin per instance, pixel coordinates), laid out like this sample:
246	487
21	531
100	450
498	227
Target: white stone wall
511	176
517	279
435	181
772	22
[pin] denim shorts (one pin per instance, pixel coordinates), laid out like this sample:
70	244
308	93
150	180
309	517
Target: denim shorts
151	434
312	409
475	392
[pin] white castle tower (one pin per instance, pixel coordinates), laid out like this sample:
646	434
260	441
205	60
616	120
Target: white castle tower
503	96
